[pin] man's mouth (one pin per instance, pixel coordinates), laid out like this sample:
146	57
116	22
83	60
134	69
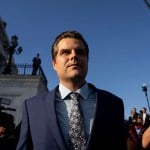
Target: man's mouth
74	65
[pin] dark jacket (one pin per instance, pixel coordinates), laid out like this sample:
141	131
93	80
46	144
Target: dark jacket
40	127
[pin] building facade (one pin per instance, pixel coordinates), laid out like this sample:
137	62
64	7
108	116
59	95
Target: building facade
18	85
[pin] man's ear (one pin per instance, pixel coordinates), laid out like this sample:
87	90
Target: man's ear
54	65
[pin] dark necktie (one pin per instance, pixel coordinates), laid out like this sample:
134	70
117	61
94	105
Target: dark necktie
76	127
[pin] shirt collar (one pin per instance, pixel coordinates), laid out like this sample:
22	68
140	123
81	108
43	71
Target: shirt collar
83	91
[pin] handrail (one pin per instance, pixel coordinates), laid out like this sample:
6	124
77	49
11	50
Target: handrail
26	69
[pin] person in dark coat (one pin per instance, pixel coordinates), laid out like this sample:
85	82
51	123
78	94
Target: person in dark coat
46	117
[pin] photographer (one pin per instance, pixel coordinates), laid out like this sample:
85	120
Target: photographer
8	139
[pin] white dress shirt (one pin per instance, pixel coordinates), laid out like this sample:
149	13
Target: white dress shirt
64	105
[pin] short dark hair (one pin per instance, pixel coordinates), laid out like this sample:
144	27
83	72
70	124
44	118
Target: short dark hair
144	108
67	34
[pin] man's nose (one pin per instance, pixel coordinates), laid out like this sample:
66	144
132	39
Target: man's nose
73	52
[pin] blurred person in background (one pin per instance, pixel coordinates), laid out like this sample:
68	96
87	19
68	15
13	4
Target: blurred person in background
8	140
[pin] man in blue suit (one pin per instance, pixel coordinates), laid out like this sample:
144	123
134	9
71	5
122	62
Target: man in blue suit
45	120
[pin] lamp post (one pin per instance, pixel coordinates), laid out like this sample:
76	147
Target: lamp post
144	88
11	50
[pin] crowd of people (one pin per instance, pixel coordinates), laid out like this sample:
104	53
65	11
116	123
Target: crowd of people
137	124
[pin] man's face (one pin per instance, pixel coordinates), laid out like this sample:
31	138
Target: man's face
143	110
71	61
2	130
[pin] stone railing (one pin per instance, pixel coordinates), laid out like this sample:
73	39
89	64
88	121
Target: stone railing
24	69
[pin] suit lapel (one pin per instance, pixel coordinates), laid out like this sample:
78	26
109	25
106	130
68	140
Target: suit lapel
51	111
97	127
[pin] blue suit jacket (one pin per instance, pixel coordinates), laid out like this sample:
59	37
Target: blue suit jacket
40	130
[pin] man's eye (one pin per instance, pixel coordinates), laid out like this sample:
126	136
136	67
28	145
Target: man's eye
65	52
81	52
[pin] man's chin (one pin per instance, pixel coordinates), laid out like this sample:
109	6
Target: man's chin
77	76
